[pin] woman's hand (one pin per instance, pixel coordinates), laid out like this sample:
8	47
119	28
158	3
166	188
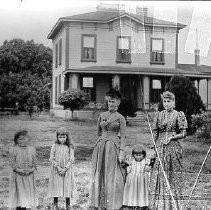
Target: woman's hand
103	123
59	169
121	157
167	140
63	172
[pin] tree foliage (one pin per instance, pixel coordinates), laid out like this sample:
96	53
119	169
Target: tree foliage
25	74
127	108
73	99
187	98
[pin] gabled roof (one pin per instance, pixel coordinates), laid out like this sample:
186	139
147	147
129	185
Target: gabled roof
107	16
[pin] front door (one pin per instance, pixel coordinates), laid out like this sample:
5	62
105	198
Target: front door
128	88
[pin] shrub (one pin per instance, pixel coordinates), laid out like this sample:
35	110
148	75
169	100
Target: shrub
187	98
73	99
127	108
201	123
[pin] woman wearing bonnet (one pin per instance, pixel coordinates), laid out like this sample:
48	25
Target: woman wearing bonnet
169	129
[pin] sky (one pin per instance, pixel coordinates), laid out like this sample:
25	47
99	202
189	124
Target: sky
34	19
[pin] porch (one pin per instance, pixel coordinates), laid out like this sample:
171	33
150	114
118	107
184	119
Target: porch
142	86
142	90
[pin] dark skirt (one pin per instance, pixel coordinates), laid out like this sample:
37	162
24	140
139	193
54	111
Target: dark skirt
108	176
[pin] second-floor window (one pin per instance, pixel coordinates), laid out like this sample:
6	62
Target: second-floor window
157	51
123	50
88	51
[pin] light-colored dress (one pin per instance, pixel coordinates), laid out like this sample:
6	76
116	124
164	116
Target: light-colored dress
165	125
61	186
22	190
136	191
108	176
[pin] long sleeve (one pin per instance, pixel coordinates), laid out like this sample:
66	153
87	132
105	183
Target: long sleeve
122	131
34	158
71	158
155	126
182	125
52	156
182	122
129	163
12	158
99	129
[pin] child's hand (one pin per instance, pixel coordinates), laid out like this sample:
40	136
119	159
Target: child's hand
147	168
21	171
27	171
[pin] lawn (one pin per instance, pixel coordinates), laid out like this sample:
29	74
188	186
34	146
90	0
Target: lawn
42	131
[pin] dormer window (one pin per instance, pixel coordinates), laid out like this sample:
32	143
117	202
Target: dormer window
88	51
157	51
123	49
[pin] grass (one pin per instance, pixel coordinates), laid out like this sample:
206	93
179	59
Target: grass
42	132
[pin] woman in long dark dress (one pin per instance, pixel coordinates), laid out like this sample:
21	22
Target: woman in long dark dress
107	173
169	128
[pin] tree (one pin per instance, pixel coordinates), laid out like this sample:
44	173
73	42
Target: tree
25	70
127	108
73	99
187	98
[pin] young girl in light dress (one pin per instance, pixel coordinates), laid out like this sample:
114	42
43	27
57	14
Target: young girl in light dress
136	186
61	181
22	192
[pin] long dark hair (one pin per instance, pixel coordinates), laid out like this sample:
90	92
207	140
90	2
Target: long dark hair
64	131
18	134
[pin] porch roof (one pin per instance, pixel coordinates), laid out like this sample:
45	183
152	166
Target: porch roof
183	69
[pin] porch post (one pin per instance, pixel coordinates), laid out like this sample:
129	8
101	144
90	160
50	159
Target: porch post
198	83
209	94
146	91
116	82
74	81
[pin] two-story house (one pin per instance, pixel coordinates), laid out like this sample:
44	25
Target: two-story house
134	53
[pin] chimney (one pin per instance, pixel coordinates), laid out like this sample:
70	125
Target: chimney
142	11
197	57
197	51
111	7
